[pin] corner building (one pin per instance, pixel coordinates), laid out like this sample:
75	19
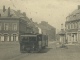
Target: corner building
72	25
12	24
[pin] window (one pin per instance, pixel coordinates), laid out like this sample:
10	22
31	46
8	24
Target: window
75	25
6	26
68	26
74	15
0	37
6	37
0	26
14	37
79	25
14	26
72	25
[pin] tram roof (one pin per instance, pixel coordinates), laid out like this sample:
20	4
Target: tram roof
29	35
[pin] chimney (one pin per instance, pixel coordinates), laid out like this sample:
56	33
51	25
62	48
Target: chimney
61	26
24	14
4	8
0	15
78	6
31	19
9	12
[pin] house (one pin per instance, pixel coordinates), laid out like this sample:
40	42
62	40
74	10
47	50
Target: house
48	30
12	24
72	26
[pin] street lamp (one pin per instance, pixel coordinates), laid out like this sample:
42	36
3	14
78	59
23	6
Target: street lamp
62	36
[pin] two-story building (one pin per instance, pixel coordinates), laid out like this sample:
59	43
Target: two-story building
48	29
12	24
72	25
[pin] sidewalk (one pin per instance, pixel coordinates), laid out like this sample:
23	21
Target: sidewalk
8	44
51	42
14	42
73	44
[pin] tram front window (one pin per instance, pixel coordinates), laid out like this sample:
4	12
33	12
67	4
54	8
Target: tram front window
32	38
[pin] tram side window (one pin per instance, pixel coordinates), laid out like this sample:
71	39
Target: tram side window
25	39
39	38
32	38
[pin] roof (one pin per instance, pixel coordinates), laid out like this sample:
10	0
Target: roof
48	26
13	13
75	15
62	32
5	14
28	35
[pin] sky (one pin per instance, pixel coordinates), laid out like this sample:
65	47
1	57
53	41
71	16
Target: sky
52	11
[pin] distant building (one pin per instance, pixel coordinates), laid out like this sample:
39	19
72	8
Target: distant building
14	23
31	27
48	29
73	26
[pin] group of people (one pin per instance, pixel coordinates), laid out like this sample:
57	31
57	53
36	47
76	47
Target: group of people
61	45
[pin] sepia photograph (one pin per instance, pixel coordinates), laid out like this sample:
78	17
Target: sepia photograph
39	29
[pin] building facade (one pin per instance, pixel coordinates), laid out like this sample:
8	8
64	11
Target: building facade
48	29
12	25
72	26
62	35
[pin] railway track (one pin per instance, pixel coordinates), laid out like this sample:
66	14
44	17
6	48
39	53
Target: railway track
13	53
19	56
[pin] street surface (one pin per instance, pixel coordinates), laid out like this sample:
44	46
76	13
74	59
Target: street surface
10	51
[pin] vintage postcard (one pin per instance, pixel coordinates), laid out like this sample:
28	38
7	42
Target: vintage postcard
39	29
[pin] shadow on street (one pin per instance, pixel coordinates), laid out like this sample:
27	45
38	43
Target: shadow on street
45	50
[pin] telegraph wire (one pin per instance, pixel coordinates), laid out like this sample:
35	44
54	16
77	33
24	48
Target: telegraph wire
13	4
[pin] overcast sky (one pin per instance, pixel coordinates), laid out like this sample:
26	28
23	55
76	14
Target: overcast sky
52	11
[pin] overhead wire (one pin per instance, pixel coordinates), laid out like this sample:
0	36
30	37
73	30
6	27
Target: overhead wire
13	4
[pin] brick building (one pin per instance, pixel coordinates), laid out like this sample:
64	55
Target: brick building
12	24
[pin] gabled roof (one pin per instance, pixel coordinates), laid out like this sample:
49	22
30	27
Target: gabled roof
62	32
44	25
75	15
13	13
76	11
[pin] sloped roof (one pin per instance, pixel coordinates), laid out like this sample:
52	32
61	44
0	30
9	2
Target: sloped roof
62	32
13	13
46	26
75	12
75	15
5	14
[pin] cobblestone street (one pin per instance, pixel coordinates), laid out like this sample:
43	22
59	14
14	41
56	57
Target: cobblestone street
10	51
